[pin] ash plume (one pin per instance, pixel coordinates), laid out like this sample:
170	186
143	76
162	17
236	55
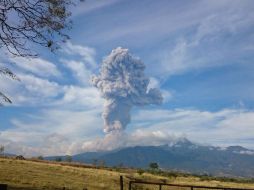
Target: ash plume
123	84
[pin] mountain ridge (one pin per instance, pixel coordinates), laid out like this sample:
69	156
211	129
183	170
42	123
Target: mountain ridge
233	161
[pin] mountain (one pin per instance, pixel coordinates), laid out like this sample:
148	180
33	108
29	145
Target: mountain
181	156
8	155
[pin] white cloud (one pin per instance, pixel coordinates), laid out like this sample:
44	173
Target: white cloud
86	97
51	132
87	53
35	91
37	66
77	131
38	88
81	67
31	90
208	33
132	21
48	145
91	5
116	139
74	124
212	41
152	138
224	127
167	95
79	70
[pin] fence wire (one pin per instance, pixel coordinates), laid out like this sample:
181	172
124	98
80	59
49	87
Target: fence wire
140	186
145	185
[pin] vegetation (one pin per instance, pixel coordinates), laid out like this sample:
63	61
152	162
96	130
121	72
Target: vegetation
201	177
40	158
6	72
1	149
140	171
68	158
42	22
154	166
58	159
38	21
95	162
41	174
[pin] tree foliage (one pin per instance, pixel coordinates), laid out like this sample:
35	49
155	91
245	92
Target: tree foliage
40	157
23	22
58	159
38	21
68	158
9	73
1	149
154	165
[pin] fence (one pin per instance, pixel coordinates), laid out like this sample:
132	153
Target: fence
145	185
3	187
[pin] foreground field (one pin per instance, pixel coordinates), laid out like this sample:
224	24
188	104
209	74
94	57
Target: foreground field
31	175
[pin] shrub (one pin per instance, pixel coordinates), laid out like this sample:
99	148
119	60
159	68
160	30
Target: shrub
141	171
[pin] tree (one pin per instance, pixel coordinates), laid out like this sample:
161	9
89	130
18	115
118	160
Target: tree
58	159
1	149
140	171
102	163
40	158
23	22
68	158
154	165
38	21
9	73
95	162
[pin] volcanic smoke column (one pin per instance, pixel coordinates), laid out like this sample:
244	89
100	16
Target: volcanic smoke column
123	84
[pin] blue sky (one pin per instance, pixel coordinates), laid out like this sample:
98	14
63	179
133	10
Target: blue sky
198	52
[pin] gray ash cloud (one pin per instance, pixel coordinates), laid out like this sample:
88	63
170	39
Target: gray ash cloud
123	84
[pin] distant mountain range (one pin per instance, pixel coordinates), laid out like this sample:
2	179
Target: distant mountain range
182	156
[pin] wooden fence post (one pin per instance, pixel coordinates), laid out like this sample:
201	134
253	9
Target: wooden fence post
121	182
130	185
3	186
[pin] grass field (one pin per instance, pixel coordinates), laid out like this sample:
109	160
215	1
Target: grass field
32	175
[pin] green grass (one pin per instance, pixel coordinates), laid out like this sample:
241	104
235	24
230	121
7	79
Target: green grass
35	175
